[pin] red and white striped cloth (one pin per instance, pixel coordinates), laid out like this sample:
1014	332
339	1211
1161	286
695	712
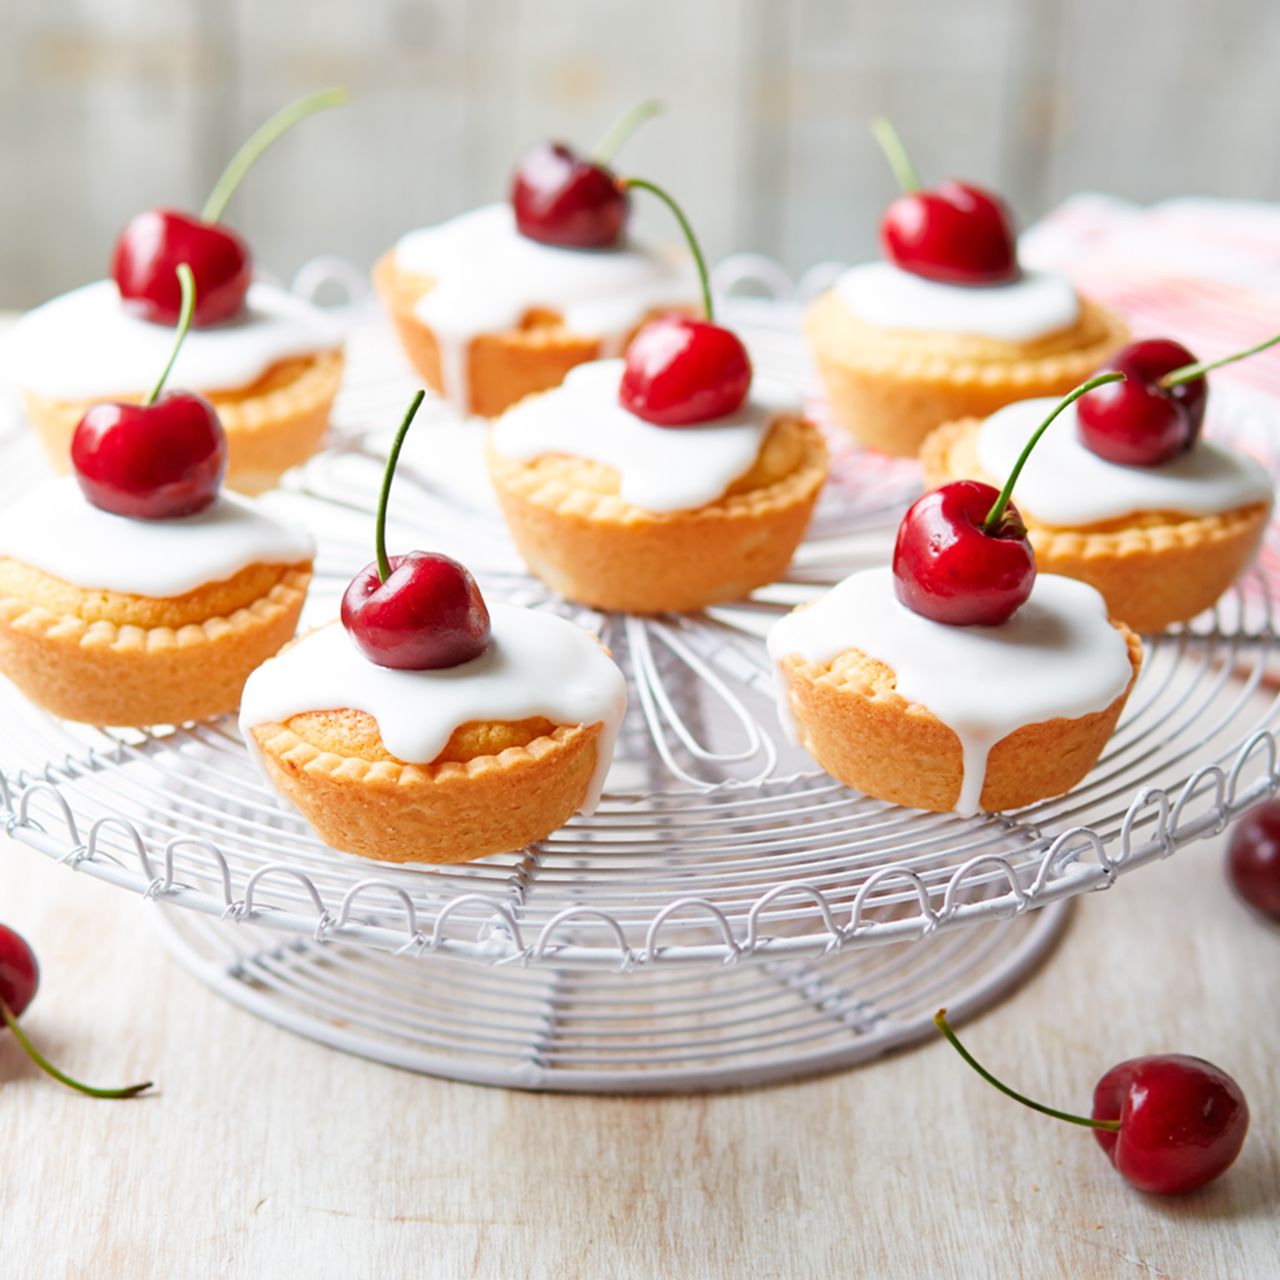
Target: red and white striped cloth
1206	272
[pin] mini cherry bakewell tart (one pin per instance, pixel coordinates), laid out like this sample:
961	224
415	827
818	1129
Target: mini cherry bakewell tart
1123	493
505	300
269	363
668	481
134	593
959	678
429	727
949	325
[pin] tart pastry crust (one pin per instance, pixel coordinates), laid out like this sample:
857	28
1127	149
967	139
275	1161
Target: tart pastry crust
502	368
889	388
588	544
273	424
852	720
1153	568
104	657
495	788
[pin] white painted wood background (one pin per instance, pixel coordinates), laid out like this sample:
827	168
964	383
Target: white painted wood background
107	106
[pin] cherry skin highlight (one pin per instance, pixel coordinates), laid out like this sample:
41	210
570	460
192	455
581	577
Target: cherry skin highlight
1182	1121
19	972
1137	422
948	569
428	614
955	234
152	462
561	199
1253	858
681	372
153	245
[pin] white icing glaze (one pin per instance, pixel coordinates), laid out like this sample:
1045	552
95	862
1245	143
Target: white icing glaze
55	528
1057	656
1036	304
487	276
1067	486
83	345
659	468
536	665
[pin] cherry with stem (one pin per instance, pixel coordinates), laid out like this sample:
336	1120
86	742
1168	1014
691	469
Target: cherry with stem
1169	1123
19	981
681	371
559	198
956	233
962	556
154	242
416	612
158	460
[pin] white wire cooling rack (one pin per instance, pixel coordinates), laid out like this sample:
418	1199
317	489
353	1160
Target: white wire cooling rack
729	914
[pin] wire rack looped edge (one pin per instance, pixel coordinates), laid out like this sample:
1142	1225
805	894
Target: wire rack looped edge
1208	800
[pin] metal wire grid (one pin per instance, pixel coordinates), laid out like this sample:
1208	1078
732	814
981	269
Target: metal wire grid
717	841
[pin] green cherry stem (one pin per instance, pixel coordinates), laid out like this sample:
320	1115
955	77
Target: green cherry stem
380	536
188	283
260	140
642	184
624	126
940	1021
129	1091
1190	372
896	154
992	523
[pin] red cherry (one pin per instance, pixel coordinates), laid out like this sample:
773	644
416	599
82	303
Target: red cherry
947	567
1182	1121
561	199
1253	858
957	234
19	981
1170	1123
427	614
152	462
681	372
416	612
147	256
19	973
1137	422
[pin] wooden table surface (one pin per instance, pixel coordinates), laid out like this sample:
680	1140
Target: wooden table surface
264	1155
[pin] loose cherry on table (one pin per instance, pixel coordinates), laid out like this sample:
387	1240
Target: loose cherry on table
157	460
962	556
415	612
679	371
1157	412
1253	858
19	981
560	198
1169	1123
153	243
955	233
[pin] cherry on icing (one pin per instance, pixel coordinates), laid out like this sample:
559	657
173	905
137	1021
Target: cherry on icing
1169	1123
158	460
154	243
956	233
680	371
19	981
950	567
415	612
1157	412
560	198
962	555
